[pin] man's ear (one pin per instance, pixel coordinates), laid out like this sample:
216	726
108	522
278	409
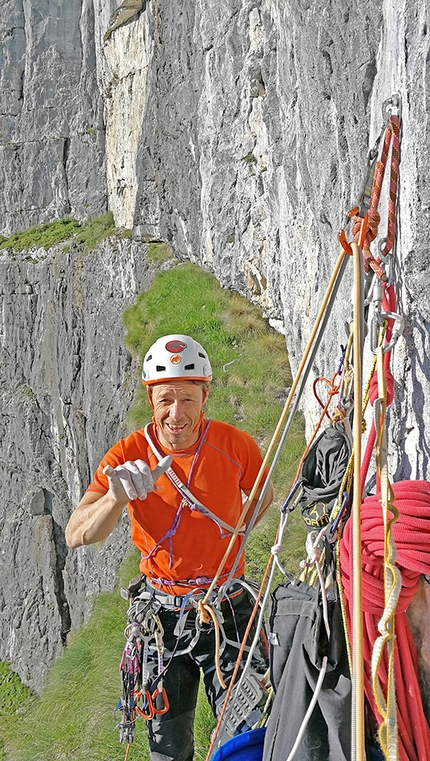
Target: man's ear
149	390
205	395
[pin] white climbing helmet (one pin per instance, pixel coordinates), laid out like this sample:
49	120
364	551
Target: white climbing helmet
176	357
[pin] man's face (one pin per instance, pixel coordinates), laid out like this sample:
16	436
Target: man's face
177	406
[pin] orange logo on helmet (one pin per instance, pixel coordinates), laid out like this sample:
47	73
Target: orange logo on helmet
176	359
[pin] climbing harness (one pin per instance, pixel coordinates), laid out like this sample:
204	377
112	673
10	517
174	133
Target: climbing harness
146	697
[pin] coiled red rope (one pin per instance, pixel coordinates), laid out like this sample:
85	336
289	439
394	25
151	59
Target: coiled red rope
411	533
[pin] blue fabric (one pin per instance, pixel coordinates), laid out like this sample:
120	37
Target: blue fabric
245	747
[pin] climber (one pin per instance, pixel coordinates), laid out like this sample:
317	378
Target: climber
182	525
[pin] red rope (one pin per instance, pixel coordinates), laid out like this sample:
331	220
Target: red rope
411	534
364	237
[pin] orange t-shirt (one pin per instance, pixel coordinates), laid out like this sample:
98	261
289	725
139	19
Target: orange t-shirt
179	546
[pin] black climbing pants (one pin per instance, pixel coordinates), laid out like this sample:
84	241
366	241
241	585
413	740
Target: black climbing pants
171	735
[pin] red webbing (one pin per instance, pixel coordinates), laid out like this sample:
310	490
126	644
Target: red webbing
411	535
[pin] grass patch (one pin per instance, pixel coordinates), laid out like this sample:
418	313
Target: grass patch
13	694
45	236
159	252
73	718
95	231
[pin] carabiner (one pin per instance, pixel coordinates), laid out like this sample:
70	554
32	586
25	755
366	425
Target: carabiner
397	330
394	103
166	705
150	714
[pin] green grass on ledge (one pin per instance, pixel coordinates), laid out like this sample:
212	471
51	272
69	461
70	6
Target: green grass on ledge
45	236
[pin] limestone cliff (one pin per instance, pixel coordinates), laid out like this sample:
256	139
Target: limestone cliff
237	131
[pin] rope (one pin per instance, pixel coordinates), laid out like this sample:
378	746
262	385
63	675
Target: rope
365	229
206	613
357	714
385	700
411	535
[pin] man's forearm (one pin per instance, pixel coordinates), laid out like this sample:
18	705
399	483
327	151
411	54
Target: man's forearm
265	504
93	520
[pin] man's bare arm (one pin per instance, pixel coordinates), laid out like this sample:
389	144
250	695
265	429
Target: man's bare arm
97	514
94	518
267	501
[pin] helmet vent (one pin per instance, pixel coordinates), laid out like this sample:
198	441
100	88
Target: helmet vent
202	355
189	367
160	368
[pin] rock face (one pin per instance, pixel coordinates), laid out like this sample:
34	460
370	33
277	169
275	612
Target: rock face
66	383
238	132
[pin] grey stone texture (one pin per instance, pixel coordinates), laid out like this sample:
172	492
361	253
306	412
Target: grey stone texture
238	132
67	381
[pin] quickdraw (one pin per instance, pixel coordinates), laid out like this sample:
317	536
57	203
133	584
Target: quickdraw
139	696
365	217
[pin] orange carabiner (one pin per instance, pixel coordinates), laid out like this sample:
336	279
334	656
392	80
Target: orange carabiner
166	703
344	243
150	714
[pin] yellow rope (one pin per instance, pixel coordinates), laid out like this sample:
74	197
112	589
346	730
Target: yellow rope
388	730
206	613
357	717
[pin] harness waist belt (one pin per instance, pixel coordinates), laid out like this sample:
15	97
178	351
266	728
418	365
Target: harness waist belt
164	598
176	601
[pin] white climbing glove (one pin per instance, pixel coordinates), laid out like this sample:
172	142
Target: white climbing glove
135	478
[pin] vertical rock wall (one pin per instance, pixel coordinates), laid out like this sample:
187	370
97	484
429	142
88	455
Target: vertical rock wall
67	381
264	115
52	136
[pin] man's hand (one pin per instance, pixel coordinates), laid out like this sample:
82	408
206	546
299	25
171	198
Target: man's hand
134	479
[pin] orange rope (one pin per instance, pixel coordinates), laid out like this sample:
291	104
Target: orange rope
206	613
